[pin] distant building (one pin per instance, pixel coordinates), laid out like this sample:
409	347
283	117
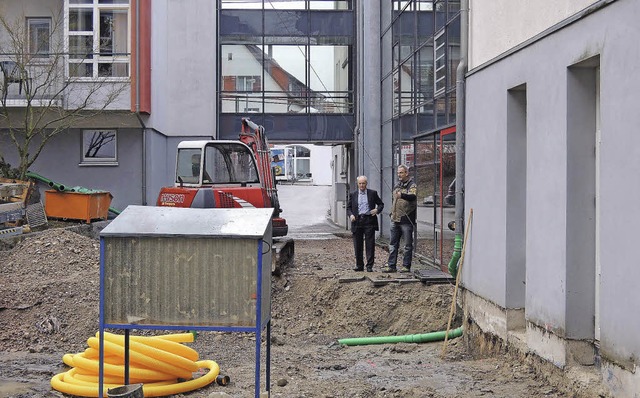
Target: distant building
308	164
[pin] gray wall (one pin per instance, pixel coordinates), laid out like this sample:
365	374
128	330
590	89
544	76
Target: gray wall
183	64
17	10
161	164
60	161
557	165
183	94
367	140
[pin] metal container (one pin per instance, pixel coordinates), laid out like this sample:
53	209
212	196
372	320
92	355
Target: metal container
77	205
187	267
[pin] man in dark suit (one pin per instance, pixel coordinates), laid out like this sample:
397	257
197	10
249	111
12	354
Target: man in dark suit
363	207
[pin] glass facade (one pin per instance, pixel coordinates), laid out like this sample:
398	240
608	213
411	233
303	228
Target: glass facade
287	65
421	44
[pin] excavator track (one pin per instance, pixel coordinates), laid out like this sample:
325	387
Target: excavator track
282	253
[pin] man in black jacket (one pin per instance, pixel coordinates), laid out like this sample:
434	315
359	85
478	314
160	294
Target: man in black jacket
363	207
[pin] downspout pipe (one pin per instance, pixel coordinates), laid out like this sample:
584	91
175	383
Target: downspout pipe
144	159
409	338
460	135
358	142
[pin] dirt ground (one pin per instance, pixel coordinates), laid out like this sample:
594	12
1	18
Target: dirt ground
49	285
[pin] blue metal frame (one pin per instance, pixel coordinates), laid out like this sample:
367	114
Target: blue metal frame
127	327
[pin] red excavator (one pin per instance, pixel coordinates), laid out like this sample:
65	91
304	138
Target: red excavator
228	174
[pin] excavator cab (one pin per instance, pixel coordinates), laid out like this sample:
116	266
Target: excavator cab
215	162
226	174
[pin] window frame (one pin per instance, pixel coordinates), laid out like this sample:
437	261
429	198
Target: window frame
439	63
249	83
99	161
95	60
36	53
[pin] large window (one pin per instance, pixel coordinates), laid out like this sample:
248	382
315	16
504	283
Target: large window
97	33
288	4
425	49
291	62
292	78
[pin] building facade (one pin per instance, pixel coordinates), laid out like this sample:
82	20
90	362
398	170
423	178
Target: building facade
286	65
550	121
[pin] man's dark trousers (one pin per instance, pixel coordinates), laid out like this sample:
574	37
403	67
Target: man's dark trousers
365	230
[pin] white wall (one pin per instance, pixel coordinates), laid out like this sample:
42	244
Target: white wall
495	26
321	164
15	11
183	67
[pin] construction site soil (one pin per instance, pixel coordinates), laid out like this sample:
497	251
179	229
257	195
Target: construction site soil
49	306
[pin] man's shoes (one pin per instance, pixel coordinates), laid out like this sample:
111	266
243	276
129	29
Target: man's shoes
405	270
389	270
369	269
358	269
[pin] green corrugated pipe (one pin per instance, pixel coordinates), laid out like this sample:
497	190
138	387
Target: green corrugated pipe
457	253
52	184
409	338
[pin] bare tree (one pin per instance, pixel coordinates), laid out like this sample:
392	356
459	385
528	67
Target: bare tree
43	94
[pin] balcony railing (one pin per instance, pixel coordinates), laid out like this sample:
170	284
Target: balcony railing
21	85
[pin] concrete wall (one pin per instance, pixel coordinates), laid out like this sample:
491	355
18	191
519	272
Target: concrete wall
535	115
512	22
183	67
372	151
368	134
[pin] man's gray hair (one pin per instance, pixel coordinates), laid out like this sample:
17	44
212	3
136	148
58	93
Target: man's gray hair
363	177
402	166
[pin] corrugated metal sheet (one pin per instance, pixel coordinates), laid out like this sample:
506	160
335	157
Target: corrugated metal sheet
181	281
193	276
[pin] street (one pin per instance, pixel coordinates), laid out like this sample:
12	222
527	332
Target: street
306	207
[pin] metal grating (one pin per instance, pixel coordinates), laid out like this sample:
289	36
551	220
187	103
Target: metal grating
225	200
36	215
433	276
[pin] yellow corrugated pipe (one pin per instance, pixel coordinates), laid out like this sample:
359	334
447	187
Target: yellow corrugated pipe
157	362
